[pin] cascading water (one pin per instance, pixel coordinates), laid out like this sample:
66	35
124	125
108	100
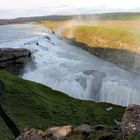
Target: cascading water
118	93
69	69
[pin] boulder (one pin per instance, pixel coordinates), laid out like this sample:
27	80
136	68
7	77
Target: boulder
32	134
84	128
60	133
13	60
131	120
82	132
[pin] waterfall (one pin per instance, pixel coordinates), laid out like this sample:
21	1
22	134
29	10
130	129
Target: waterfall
71	70
118	93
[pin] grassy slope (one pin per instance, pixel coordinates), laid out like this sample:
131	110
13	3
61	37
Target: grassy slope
117	34
106	37
33	105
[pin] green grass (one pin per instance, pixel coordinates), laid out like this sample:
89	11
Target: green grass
104	33
105	37
114	34
32	105
134	137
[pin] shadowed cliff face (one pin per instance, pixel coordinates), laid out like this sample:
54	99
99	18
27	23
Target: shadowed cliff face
124	59
13	60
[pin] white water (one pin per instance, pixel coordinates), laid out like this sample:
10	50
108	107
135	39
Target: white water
69	69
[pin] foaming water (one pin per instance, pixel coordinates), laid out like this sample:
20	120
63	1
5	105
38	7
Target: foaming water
69	69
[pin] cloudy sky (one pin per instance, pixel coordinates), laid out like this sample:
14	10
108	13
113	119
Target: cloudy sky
24	8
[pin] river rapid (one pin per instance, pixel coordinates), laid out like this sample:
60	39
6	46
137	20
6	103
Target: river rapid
70	69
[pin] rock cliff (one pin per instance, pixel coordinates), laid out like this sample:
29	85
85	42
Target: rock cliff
124	59
131	120
13	60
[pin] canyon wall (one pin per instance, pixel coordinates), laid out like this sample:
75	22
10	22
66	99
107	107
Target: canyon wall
124	59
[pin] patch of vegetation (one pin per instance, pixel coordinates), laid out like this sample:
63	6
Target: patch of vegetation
105	37
32	105
53	25
134	137
114	34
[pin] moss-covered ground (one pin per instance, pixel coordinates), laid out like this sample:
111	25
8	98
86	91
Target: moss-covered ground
32	105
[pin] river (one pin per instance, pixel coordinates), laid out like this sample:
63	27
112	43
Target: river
70	69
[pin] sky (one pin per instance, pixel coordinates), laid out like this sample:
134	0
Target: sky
26	8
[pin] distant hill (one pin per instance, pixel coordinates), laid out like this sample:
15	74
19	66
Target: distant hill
104	16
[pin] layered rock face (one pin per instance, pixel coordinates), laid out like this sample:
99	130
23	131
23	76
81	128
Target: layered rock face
131	120
13	60
124	59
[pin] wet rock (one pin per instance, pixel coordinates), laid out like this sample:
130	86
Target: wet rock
97	77
131	120
91	80
94	72
47	37
37	44
53	43
13	60
82	81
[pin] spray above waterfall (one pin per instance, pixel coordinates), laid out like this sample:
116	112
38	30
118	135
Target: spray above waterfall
79	74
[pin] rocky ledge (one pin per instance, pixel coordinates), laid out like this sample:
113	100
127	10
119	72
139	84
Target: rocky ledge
13	60
130	127
82	132
131	120
124	59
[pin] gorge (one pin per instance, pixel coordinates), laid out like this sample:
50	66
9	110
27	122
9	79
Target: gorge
69	69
